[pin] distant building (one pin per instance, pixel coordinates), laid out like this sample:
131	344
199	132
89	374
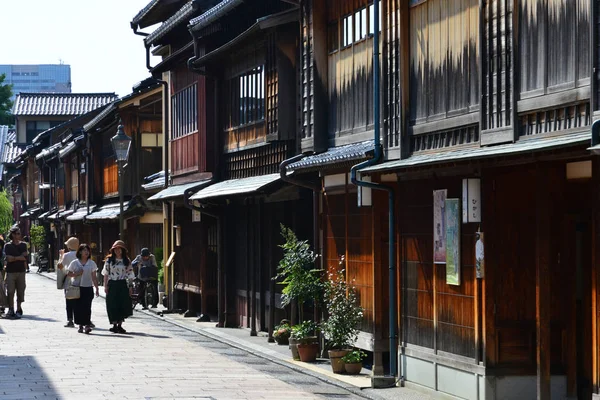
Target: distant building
37	112
45	78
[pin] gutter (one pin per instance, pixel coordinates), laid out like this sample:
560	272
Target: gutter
391	198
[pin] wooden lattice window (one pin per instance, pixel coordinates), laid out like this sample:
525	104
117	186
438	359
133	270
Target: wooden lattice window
111	177
74	182
184	111
246	99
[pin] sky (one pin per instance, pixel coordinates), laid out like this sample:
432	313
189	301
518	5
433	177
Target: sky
93	36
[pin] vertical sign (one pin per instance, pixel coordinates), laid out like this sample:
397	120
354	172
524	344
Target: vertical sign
452	242
196	216
439	226
479	256
471	200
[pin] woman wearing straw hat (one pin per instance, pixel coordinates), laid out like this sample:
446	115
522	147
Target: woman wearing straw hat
72	245
117	272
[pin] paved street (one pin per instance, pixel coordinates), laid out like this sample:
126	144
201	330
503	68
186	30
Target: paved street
39	358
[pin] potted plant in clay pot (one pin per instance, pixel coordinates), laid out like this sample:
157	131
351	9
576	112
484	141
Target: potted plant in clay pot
297	274
353	361
282	332
344	314
307	341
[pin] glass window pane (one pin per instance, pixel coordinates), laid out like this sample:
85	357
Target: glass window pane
357	30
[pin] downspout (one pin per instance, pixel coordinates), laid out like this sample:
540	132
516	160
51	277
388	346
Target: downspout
391	198
135	28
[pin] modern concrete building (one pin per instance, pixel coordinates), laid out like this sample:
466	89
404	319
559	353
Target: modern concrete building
44	78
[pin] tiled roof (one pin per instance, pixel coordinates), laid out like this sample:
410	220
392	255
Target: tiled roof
183	15
234	187
11	151
60	103
107	212
154	181
108	110
214	14
176	191
80	214
464	154
335	155
150	14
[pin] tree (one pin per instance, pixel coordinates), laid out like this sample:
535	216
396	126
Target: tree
6	118
6	214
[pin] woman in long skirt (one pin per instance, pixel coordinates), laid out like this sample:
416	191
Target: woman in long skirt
118	272
84	269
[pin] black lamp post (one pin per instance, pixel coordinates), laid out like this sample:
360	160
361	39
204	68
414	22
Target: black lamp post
121	144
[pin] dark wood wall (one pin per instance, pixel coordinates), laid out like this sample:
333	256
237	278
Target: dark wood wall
435	315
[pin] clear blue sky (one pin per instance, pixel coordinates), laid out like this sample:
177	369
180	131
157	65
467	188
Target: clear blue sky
93	36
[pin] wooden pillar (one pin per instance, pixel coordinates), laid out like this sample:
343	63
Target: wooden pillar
272	271
251	243
379	248
204	296
542	283
488	294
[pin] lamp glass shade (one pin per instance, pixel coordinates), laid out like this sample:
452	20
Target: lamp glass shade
121	144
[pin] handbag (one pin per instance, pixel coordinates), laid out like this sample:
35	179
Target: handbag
72	292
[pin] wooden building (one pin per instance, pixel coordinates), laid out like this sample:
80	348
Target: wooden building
248	51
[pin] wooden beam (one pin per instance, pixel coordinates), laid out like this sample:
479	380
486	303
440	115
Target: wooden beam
542	287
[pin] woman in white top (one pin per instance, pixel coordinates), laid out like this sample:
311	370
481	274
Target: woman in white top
62	280
83	269
117	272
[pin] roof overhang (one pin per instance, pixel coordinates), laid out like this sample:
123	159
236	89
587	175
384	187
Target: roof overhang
466	154
237	187
175	191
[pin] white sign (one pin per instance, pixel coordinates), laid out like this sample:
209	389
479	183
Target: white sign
471	199
196	216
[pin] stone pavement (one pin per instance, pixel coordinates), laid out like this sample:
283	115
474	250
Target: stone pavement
161	357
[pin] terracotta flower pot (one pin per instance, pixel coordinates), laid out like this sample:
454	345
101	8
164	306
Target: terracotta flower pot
335	356
308	352
353	369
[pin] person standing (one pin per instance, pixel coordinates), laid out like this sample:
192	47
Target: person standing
62	281
85	269
15	253
147	272
118	272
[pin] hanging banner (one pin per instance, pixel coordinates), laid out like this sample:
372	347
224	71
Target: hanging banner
452	211
479	256
471	200
439	226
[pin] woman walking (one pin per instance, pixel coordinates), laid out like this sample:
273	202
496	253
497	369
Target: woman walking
62	281
117	272
85	270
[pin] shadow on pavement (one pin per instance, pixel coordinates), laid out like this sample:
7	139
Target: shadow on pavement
37	318
19	375
148	335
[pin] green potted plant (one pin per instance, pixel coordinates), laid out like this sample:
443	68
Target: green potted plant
344	315
282	332
353	361
37	238
307	341
297	274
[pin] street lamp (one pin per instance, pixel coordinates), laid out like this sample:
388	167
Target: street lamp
121	144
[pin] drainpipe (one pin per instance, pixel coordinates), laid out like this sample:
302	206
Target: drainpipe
135	28
220	268
391	199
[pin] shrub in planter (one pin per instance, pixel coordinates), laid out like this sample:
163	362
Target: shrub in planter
344	316
305	339
296	272
353	361
282	333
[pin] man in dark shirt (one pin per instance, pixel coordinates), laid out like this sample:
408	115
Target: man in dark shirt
15	256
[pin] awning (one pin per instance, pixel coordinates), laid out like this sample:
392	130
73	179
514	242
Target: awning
80	214
177	190
106	213
522	146
234	187
53	215
64	213
31	212
349	153
46	214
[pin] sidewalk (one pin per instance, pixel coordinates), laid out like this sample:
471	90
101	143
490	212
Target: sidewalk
258	345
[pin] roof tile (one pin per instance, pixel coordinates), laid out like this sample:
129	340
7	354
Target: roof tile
60	103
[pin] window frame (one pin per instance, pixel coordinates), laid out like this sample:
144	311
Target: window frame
184	112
